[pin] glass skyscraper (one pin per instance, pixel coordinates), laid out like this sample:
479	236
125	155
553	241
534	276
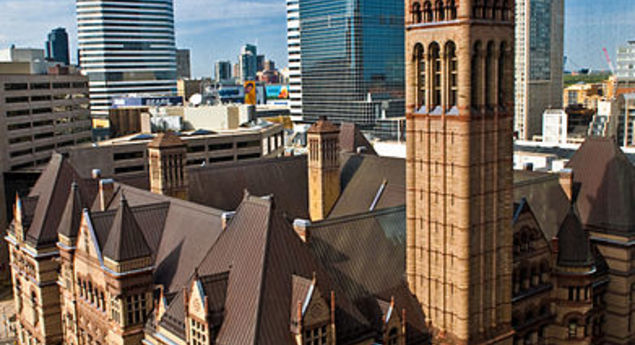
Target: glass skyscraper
57	46
352	54
126	48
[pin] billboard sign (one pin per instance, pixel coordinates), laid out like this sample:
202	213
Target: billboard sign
250	93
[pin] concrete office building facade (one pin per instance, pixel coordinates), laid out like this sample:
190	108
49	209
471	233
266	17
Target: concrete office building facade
126	48
539	62
295	57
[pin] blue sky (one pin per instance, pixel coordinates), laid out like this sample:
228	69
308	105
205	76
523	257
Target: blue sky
215	29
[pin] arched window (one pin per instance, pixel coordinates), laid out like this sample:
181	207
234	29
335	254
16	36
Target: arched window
451	10
477	80
477	9
489	75
36	316
439	11
452	68
416	12
498	8
506	11
393	337
427	12
503	78
573	329
420	71
435	60
18	293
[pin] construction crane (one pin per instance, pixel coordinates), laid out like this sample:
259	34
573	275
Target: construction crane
608	60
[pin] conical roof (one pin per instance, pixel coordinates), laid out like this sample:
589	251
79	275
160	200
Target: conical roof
72	216
574	247
125	239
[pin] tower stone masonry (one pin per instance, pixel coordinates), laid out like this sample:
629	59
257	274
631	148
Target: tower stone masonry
459	95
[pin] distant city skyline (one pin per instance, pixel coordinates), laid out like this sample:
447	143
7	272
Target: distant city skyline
215	30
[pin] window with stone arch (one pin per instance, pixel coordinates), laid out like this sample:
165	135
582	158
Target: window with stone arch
435	61
478	9
439	11
427	12
451	10
476	76
393	337
420	75
416	12
36	316
490	87
452	67
503	65
573	328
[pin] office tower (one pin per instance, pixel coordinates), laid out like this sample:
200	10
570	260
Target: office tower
260	63
270	65
459	68
295	57
129	49
183	69
352	60
222	70
236	72
248	61
539	62
57	46
625	69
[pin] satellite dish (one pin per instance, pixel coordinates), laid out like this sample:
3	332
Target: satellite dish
196	99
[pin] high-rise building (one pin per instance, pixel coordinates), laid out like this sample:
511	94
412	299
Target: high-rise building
352	60
236	71
295	57
260	63
126	48
57	46
183	69
539	62
248	61
625	69
222	70
459	94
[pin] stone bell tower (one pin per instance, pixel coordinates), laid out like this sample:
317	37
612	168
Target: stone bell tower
324	173
459	95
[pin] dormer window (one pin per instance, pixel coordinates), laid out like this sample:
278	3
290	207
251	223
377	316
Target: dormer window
315	336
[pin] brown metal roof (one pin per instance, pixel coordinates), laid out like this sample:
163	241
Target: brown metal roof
574	246
165	140
125	239
72	216
323	126
222	186
607	180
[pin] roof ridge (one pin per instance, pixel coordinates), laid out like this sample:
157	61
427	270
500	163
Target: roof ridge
176	201
356	216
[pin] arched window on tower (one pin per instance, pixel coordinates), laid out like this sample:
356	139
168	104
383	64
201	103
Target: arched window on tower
489	75
477	9
439	11
435	60
420	75
451	10
507	10
416	12
452	70
503	81
427	12
476	76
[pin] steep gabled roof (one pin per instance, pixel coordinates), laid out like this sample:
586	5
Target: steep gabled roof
607	179
125	240
72	216
574	246
52	191
263	254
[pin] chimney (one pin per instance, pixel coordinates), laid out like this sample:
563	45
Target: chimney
226	217
301	228
106	192
566	182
